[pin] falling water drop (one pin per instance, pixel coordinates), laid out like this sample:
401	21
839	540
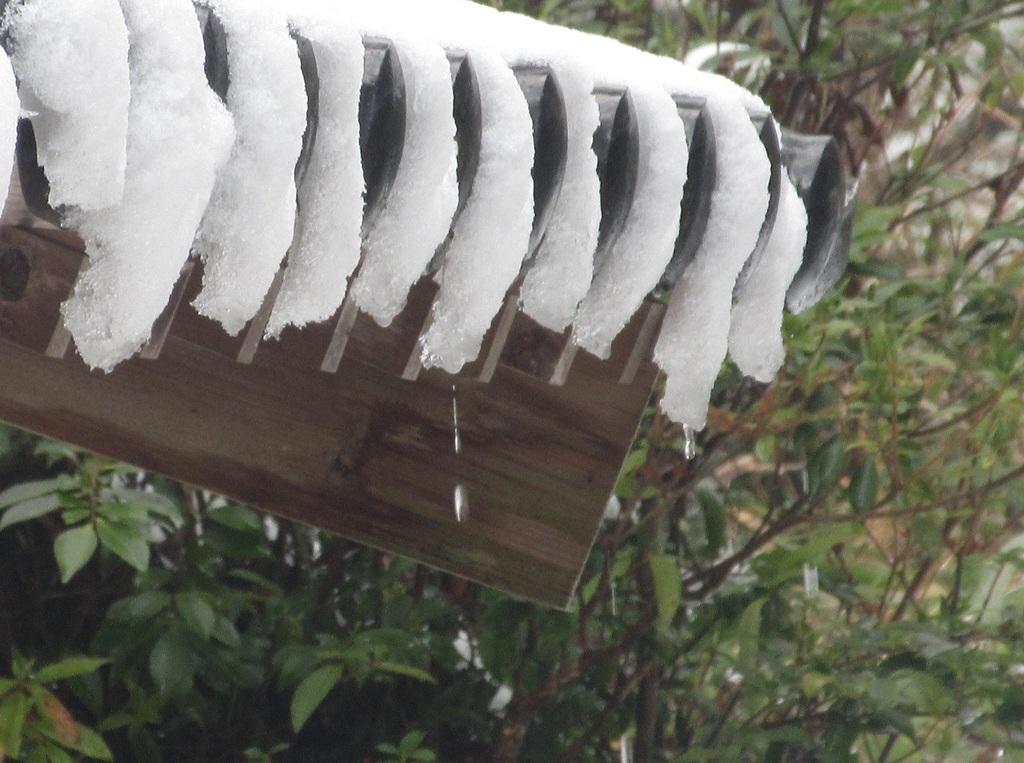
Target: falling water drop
455	422
626	748
690	449
461	503
615	600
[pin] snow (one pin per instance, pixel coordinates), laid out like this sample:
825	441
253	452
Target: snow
694	336
638	258
10	109
327	241
250	222
563	267
418	211
492	234
178	136
140	154
71	59
755	336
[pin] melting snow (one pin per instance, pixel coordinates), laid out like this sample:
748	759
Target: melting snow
71	59
492	233
638	258
418	210
141	154
10	108
251	218
755	336
178	135
330	206
695	334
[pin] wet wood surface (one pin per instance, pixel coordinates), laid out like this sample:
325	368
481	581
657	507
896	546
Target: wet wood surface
359	452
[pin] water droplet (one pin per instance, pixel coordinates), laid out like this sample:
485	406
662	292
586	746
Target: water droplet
810	580
626	749
455	422
690	449
461	503
615	600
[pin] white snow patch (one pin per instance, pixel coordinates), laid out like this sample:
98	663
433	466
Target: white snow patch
250	222
179	134
563	266
755	336
695	333
327	241
10	109
492	234
418	211
71	58
637	259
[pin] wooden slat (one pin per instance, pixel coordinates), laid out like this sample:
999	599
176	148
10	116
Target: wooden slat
359	452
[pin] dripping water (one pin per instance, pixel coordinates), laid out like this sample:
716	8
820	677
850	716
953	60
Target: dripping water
455	422
461	496
690	449
626	749
461	503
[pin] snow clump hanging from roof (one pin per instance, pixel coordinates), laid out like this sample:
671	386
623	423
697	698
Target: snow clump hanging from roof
71	59
327	241
143	161
178	136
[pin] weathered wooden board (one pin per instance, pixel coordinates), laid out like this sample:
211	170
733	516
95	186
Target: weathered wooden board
360	452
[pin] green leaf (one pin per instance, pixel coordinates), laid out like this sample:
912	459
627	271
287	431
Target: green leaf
170	664
748	634
197	614
863	492
995	233
312	692
225	632
13	710
73	549
928	535
154	503
28	490
57	755
141	606
126	541
668	587
237	518
411	742
67	668
838	745
124	512
399	669
904	63
32	508
92	745
825	465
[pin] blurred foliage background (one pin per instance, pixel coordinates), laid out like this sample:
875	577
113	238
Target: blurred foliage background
838	575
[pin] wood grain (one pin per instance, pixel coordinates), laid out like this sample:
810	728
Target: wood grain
360	452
